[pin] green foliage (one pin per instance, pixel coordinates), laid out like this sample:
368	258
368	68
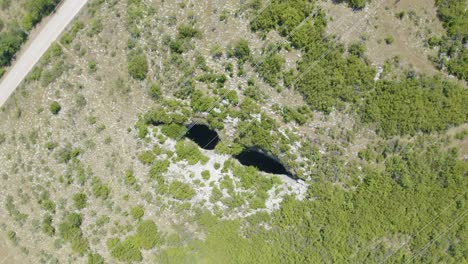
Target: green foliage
357	49
129	250
424	185
67	154
201	103
137	212
187	32
359	4
181	191
96	27
389	40
100	190
69	36
47	204
69	230
147	234
424	104
270	66
240	50
283	16
159	167
80	200
137	65
47	227
14	212
35	10
299	115
174	131
10	43
187	150
146	157
130	178
155	91
95	258
55	108
205	175
452	13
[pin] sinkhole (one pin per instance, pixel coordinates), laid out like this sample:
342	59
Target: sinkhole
201	134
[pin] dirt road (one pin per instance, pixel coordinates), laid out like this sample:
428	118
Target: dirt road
38	46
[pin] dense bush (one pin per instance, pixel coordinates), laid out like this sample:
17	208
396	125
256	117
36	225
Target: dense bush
240	50
181	191
70	231
270	66
452	13
422	104
47	227
129	250
80	200
137	212
137	65
100	190
174	131
187	150
10	43
95	259
155	91
35	10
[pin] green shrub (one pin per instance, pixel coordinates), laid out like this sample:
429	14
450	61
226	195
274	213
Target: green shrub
137	212
2	138
155	91
174	131
80	200
35	10
423	104
357	49
138	66
181	191
10	43
130	178
205	175
129	250
146	157
270	67
359	4
189	151
159	167
126	251
99	189
389	40
69	230
47	227
187	31
55	108
241	50
95	258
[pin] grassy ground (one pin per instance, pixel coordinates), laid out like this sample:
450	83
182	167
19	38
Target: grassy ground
381	20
